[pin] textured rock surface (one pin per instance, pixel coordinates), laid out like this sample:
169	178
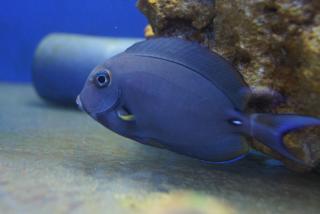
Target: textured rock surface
55	160
190	19
274	44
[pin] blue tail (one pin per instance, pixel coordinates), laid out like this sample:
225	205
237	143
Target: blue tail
271	128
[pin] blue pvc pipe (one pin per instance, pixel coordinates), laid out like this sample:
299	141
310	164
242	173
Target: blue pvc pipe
62	63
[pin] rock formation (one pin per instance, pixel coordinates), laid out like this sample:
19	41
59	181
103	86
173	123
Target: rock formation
273	43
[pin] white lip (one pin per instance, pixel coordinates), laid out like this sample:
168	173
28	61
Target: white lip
79	103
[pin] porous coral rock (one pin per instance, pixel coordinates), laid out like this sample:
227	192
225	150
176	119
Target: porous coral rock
190	19
274	44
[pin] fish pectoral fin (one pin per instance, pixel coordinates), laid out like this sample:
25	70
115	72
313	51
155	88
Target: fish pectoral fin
125	115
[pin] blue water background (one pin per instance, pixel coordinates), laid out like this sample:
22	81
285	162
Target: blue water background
24	23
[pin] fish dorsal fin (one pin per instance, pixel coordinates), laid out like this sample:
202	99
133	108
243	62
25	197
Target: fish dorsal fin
201	60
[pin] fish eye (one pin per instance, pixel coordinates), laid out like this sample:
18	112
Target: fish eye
102	79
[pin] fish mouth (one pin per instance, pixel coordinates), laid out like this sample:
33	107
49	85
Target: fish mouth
83	108
79	103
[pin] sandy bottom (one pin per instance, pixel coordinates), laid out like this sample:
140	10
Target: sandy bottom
55	160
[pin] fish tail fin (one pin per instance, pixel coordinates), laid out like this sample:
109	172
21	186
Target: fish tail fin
270	129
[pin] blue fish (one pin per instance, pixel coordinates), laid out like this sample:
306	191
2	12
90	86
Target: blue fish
176	94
